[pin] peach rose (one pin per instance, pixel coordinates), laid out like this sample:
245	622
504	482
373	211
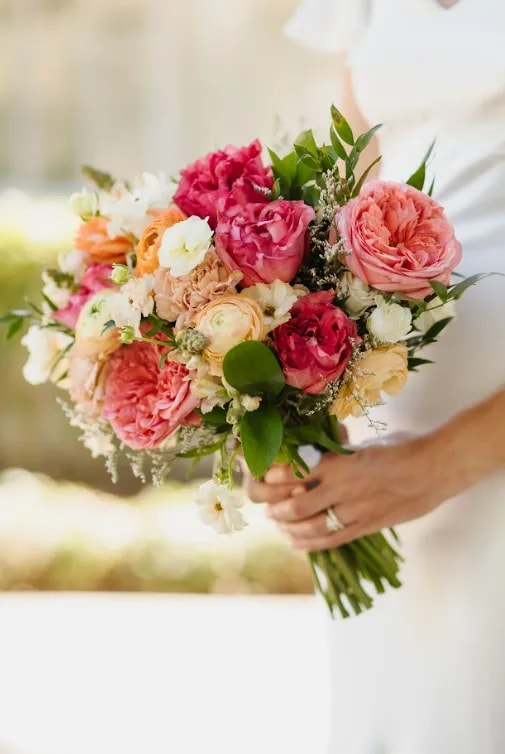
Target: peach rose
382	369
93	240
226	322
86	376
179	299
150	240
90	339
398	239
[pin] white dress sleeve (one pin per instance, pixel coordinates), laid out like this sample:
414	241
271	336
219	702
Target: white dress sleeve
328	26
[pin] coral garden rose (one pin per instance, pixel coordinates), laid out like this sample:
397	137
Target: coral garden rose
315	346
218	174
150	241
266	242
397	239
96	277
226	322
179	299
93	239
146	403
382	369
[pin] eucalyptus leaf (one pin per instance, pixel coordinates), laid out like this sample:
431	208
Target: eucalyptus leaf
252	368
261	434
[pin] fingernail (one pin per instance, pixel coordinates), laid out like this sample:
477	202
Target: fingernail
298	491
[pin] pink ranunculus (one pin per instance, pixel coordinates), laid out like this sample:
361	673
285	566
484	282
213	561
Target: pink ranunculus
266	242
398	239
96	277
315	346
143	402
237	170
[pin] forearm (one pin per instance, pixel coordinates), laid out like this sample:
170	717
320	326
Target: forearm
472	443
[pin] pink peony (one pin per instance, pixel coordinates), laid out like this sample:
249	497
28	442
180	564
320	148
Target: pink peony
232	169
143	402
266	242
398	238
315	346
179	299
94	280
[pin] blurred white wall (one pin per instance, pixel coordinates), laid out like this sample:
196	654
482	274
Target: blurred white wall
130	85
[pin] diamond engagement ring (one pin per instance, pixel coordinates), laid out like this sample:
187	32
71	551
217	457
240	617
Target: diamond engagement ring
333	522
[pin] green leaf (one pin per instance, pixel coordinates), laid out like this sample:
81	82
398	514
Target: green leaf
306	434
413	363
102	180
252	368
284	168
306	140
337	145
341	126
364	140
440	289
14	327
216	417
365	175
307	157
311	195
456	291
206	450
304	174
436	329
108	326
50	303
418	178
261	433
430	190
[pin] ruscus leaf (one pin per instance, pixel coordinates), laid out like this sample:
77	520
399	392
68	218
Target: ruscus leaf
261	434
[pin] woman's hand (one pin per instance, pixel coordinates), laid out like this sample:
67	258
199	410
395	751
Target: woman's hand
375	488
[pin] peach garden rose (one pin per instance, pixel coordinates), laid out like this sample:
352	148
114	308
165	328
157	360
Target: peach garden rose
397	239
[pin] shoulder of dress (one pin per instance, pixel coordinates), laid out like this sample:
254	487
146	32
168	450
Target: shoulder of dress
329	26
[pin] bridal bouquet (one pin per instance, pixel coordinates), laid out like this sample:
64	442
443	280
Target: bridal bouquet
246	309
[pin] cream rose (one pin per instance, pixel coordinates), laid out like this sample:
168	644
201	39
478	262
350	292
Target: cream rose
359	296
382	369
389	323
226	322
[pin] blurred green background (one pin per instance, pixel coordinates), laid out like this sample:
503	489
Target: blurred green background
127	87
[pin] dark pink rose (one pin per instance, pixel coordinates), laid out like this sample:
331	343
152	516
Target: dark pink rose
398	239
266	242
143	402
218	174
96	277
316	344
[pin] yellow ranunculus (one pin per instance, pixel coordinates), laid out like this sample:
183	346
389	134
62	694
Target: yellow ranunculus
382	369
226	322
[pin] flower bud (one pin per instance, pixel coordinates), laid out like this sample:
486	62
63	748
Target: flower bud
120	274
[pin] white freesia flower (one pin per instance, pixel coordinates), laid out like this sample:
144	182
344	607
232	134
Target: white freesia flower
72	263
218	506
125	212
358	294
275	300
435	312
155	190
133	301
84	203
58	296
389	322
46	348
184	245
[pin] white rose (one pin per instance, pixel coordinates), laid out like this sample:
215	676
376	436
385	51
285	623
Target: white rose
84	203
46	348
435	312
275	300
184	245
389	323
358	295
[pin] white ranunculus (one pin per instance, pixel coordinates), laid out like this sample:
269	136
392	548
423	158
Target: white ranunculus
95	314
435	312
84	203
358	294
46	348
389	322
275	300
218	506
73	263
184	245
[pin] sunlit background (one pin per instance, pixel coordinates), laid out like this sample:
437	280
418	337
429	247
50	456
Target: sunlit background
224	648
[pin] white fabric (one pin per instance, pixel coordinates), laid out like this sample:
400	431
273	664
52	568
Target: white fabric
424	672
328	25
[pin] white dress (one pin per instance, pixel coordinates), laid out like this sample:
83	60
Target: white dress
424	671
